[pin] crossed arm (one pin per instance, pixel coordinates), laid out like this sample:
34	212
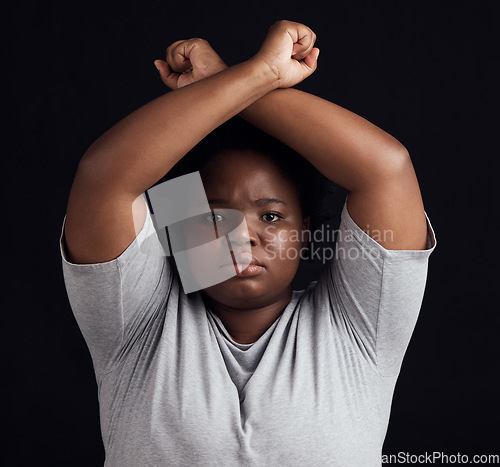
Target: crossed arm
137	152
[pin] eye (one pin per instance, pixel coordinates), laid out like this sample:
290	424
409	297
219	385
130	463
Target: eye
269	215
214	217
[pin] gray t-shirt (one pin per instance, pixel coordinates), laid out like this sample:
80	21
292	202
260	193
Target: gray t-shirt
315	390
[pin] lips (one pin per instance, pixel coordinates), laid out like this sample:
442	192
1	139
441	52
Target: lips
244	257
255	262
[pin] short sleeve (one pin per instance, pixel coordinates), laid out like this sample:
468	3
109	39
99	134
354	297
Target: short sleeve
113	301
374	294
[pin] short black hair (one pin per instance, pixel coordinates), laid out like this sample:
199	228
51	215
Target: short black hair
319	196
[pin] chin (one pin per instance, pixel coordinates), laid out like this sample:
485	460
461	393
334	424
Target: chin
237	286
238	292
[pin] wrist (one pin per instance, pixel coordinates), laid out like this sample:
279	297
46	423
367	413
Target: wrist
215	68
264	72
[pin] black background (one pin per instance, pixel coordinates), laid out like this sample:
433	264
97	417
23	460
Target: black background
422	71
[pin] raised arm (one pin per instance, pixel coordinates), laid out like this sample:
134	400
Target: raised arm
384	195
139	150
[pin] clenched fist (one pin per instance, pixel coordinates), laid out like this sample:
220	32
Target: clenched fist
189	61
288	50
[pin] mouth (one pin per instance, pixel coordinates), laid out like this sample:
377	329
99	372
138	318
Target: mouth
245	270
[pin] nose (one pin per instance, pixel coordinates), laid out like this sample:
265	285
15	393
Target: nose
246	236
253	238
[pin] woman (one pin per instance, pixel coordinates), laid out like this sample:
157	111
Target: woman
247	371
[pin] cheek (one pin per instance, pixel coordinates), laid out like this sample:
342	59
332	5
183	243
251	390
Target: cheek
201	266
285	247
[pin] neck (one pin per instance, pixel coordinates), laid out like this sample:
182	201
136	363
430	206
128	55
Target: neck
246	325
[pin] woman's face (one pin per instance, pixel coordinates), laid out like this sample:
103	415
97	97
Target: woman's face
253	184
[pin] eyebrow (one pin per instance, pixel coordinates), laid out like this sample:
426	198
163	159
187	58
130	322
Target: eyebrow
258	202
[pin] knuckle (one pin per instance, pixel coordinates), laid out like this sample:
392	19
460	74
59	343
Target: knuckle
172	46
176	43
201	41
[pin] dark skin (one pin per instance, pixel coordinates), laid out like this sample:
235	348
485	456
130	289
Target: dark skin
247	306
136	153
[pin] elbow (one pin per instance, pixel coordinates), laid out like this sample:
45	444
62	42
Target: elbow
94	168
403	161
88	163
91	152
390	165
396	161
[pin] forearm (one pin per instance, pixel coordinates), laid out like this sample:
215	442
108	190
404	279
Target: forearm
140	149
345	147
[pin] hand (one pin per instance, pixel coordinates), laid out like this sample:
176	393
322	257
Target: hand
189	61
289	51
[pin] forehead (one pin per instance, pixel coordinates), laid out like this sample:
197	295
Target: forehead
240	173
